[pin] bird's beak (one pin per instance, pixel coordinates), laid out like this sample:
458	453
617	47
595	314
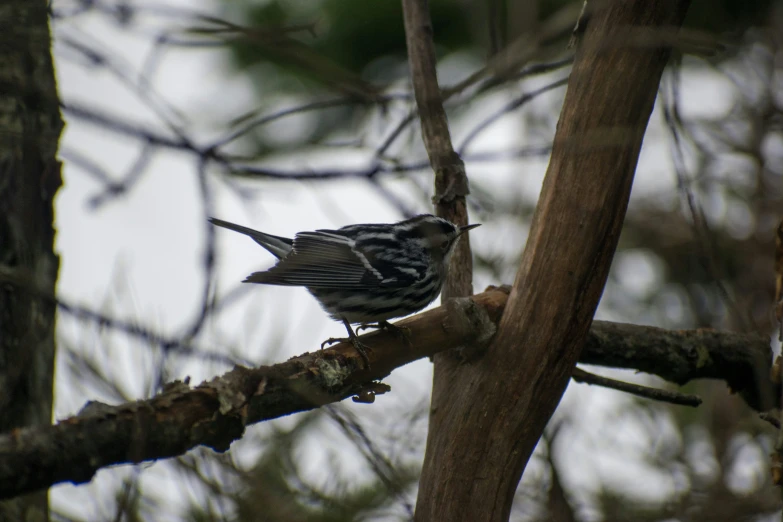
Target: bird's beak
464	229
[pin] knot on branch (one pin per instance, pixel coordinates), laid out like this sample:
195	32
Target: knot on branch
472	324
451	181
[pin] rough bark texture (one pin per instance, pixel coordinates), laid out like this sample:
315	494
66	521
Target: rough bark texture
30	126
451	181
680	356
488	415
215	413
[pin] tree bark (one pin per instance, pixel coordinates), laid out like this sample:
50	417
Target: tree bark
30	126
488	415
215	413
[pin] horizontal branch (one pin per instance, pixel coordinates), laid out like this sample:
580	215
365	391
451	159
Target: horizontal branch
216	412
742	360
656	394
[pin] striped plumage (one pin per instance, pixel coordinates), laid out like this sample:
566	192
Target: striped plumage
363	273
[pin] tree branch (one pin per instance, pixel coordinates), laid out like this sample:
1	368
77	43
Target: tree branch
573	236
215	413
647	392
451	181
451	188
680	356
30	176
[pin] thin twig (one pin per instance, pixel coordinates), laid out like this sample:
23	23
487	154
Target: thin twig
655	394
506	109
451	181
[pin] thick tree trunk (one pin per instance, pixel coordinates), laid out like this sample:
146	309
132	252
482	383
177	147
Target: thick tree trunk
488	415
30	126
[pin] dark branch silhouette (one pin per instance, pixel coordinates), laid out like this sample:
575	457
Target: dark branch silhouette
215	413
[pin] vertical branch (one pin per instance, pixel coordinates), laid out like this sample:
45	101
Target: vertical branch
30	126
451	187
451	181
488	415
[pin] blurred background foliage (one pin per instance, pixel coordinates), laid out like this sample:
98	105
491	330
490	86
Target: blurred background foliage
696	252
357	48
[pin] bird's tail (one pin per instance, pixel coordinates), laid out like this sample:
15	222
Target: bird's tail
276	245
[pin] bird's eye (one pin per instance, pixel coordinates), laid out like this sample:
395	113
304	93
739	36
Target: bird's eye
444	244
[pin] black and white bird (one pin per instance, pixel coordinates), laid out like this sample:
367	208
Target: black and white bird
363	274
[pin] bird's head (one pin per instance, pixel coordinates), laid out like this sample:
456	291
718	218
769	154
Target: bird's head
438	235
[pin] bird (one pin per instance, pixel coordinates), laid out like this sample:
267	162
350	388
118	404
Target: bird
362	274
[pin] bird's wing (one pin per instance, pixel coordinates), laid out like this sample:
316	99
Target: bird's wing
327	259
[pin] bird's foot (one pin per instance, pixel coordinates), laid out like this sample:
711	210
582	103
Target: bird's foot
334	340
403	332
360	347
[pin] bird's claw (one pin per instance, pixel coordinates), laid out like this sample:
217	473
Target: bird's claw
360	347
333	340
366	326
362	351
403	332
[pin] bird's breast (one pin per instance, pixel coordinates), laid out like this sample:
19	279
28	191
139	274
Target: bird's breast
379	303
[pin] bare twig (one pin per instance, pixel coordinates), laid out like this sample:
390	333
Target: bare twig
169	344
451	188
451	181
647	392
510	106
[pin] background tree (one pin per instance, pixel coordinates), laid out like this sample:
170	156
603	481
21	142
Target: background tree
30	127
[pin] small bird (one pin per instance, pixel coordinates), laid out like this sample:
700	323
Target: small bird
363	274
